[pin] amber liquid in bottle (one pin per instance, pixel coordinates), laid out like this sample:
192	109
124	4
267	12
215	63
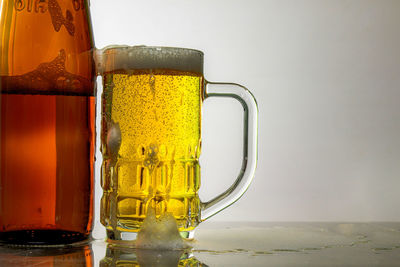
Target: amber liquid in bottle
47	122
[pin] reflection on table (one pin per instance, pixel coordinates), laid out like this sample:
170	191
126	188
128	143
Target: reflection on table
80	256
119	256
237	244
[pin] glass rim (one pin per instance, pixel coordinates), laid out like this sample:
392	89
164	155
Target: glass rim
150	47
124	57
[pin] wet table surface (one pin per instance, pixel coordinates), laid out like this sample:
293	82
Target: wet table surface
238	244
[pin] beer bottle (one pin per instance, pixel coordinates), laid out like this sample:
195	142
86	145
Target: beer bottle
47	80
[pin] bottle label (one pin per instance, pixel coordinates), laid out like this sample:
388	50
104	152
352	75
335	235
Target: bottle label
58	18
41	6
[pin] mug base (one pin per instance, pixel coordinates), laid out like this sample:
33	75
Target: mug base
121	237
116	236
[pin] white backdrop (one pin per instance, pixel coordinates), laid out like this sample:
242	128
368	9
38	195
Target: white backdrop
326	75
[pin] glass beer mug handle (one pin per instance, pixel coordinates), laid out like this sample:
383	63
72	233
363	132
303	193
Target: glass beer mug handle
242	182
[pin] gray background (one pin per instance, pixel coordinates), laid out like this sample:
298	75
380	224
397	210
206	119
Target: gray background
326	75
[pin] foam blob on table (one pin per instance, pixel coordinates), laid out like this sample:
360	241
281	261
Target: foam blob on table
160	233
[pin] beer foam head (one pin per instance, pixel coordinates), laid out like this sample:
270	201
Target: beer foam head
149	57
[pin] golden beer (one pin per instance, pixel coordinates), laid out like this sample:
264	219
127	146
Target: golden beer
151	121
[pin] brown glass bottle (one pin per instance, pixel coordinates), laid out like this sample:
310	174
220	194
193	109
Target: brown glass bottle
47	121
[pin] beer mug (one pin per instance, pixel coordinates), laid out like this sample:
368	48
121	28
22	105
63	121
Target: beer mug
151	138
